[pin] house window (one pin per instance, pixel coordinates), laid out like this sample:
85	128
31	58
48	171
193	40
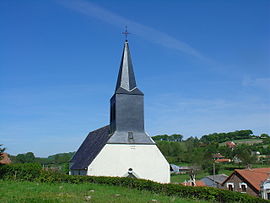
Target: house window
243	187
230	186
268	195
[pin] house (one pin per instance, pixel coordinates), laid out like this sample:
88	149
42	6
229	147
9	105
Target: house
223	160
218	158
185	169
214	180
197	183
250	181
174	168
180	169
5	159
265	189
122	148
230	144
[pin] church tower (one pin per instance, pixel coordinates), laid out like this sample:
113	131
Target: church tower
122	148
127	106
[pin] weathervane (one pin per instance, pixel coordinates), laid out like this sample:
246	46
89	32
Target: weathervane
126	33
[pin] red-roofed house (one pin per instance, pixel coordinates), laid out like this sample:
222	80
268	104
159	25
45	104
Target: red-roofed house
5	159
247	181
198	183
223	160
230	144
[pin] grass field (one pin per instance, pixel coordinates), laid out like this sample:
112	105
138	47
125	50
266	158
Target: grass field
29	192
180	178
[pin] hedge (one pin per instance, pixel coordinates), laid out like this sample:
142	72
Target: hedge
34	172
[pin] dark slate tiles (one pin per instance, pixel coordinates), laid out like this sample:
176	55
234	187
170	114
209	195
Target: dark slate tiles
90	148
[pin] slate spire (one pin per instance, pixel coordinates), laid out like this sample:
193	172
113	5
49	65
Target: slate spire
127	107
126	77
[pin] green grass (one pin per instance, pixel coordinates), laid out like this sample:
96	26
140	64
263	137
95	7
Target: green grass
29	192
180	178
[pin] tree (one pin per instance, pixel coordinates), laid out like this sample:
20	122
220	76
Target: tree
264	135
244	153
223	137
171	138
1	151
211	167
176	138
29	157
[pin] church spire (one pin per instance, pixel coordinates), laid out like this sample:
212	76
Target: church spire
126	77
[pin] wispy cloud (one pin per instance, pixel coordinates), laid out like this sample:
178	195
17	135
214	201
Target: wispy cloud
90	9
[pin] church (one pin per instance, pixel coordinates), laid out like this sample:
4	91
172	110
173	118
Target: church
122	148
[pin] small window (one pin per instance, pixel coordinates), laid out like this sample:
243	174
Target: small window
268	195
230	186
130	135
243	187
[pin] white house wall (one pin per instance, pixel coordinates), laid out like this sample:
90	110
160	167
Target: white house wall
146	161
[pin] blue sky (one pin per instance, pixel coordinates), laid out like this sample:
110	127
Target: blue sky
204	67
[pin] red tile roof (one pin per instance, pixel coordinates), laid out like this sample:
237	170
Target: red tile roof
254	176
5	159
199	183
223	160
230	144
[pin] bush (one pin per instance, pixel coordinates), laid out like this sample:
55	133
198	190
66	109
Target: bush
27	171
33	172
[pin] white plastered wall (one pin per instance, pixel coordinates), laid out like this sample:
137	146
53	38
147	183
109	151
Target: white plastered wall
146	161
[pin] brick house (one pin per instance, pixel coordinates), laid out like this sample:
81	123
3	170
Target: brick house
247	180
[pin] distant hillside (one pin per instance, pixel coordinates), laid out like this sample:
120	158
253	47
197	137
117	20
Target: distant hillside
29	157
223	137
245	141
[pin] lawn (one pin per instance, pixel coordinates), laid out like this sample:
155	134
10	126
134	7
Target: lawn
29	192
180	178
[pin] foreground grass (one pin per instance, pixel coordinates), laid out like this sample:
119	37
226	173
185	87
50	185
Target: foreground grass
29	192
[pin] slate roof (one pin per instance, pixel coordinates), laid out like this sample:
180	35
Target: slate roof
121	137
219	178
174	168
90	148
126	77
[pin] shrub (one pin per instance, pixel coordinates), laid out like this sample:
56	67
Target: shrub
28	171
33	172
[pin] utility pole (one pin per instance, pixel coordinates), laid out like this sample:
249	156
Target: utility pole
214	173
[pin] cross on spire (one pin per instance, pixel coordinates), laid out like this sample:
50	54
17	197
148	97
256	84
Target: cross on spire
126	33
